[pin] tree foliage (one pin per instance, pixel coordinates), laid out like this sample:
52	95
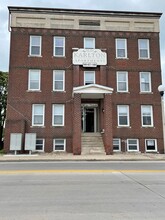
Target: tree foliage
3	103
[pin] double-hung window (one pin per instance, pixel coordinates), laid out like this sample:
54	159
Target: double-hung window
89	43
147	115
35	46
123	115
121	48
34	80
122	81
132	145
38	112
58	80
151	145
145	82
89	77
59	46
58	115
144	51
59	144
40	144
116	144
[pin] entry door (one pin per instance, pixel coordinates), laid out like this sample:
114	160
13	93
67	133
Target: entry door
89	119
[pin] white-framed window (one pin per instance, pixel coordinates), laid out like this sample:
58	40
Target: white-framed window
59	46
145	82
123	115
38	114
151	145
35	45
143	46
132	145
116	144
34	80
89	77
58	115
59	144
58	80
147	115
121	48
89	43
122	81
40	143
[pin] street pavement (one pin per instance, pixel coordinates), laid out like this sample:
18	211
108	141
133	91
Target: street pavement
89	157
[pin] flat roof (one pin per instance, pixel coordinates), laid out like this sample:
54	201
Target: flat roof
83	11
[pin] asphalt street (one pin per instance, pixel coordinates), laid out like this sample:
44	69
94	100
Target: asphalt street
82	190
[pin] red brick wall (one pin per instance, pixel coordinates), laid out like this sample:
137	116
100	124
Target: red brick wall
20	101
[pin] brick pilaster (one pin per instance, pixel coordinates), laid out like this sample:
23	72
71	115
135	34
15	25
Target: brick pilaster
76	75
108	132
103	75
77	125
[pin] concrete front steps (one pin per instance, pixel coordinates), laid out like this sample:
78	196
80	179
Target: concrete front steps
92	143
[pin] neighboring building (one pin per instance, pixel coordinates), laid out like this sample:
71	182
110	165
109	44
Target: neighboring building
82	77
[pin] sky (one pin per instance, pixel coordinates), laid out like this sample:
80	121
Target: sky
112	5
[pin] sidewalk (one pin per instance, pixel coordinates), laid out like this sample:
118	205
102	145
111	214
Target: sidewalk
91	157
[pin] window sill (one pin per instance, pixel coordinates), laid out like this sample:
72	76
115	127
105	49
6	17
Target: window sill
145	93
54	91
123	126
33	91
39	56
122	58
58	56
123	92
144	59
37	126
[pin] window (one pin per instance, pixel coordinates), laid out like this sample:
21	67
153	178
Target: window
132	145
116	144
151	145
35	45
59	144
147	115
89	43
34	80
58	80
59	46
38	114
122	81
143	45
121	48
89	77
40	144
123	115
58	115
145	82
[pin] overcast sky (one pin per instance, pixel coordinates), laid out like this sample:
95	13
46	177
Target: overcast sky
113	5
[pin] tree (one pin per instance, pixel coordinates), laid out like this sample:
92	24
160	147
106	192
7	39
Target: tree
3	103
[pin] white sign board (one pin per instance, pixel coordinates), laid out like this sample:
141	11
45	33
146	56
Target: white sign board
89	57
15	141
30	141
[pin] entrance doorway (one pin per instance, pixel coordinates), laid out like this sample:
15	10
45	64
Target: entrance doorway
89	118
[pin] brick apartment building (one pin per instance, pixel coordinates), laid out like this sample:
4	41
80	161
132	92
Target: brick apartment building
83	79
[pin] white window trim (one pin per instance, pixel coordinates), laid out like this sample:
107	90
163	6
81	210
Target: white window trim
128	116
150	86
43	145
85	72
119	144
64	145
91	38
148	49
151	107
54	73
29	73
63	114
54	46
38	125
148	139
30	46
118	72
134	145
126	55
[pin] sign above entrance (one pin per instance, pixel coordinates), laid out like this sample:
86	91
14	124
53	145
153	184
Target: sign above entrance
89	57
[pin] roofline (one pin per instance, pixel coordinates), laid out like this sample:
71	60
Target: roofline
83	11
